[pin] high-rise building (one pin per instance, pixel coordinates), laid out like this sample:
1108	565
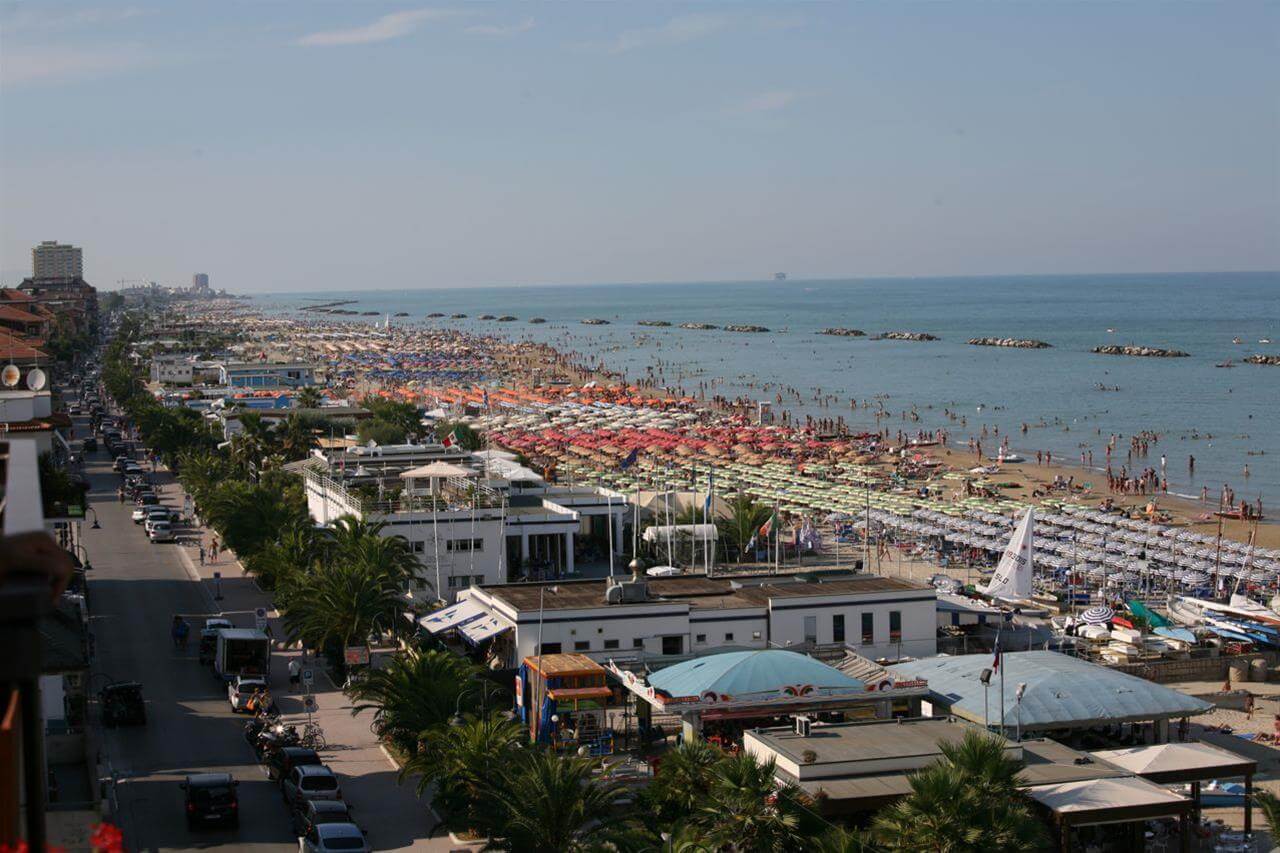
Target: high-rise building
54	260
200	282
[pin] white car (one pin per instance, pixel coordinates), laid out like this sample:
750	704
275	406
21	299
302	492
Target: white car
334	836
241	688
139	515
160	531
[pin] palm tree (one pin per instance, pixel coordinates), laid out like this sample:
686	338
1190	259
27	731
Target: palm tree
1269	803
466	764
969	800
684	781
748	810
297	437
358	540
416	693
550	804
249	516
284	563
745	519
253	443
308	397
340	603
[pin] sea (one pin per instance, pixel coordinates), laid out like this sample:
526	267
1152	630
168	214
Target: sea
1071	399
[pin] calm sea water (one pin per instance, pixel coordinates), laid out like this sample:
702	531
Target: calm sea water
1226	418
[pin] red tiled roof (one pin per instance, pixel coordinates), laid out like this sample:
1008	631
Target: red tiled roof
18	347
12	294
12	312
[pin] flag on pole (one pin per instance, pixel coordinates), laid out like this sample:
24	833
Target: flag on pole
630	460
995	663
485	391
767	528
453	439
706	505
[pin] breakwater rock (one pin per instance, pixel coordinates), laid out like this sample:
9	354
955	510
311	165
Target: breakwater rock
745	329
1142	352
595	321
536	320
435	314
506	318
457	316
844	333
699	326
1015	343
1273	360
487	317
905	336
402	313
659	323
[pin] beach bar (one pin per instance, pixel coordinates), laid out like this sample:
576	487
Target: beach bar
563	699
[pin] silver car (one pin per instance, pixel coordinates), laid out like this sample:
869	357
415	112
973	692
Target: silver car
327	837
310	782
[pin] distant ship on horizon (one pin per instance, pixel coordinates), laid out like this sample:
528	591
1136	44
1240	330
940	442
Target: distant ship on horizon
779	276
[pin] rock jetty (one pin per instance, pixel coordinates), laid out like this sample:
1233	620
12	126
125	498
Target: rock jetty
402	313
457	316
595	321
487	317
745	329
660	323
536	320
905	336
1273	360
699	326
506	318
1142	352
1015	343
844	333
434	315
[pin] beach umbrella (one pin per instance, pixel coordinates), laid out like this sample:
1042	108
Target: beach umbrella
1098	615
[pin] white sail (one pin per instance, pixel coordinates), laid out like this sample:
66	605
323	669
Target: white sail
1012	579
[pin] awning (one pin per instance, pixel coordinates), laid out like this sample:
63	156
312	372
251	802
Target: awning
569	694
479	630
451	617
1096	801
437	470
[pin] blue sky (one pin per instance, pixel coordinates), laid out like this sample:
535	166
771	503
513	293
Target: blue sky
304	146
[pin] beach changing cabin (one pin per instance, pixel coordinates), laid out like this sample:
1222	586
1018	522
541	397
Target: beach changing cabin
563	699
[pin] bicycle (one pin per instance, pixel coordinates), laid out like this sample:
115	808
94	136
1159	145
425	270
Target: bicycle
312	737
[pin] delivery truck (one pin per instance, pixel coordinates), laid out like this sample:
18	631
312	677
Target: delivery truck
242	652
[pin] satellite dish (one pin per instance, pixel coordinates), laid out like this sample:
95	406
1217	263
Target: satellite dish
36	380
10	375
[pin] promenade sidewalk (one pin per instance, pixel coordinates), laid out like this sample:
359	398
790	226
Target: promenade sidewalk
394	817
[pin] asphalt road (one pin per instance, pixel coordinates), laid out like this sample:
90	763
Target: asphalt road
135	588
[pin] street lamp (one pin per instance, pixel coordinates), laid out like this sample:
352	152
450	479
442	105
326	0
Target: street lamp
985	678
1022	688
94	513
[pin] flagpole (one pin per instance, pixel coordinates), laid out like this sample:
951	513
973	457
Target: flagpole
1002	728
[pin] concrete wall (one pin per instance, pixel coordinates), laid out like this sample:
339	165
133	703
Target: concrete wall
919	624
1195	669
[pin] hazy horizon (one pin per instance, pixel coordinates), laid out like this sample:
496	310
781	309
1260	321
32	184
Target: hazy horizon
293	147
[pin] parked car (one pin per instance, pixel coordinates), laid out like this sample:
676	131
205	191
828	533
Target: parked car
161	531
160	512
310	782
334	836
312	813
120	462
148	499
139	514
133	468
211	798
282	761
90	444
241	688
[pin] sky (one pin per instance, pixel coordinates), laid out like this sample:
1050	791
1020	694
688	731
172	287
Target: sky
294	146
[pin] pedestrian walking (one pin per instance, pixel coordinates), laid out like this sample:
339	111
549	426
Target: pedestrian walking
202	553
295	674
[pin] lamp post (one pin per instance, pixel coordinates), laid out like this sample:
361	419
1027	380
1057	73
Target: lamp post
985	678
1022	688
94	513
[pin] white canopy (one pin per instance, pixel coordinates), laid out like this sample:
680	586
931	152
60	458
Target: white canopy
1103	795
695	531
437	470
